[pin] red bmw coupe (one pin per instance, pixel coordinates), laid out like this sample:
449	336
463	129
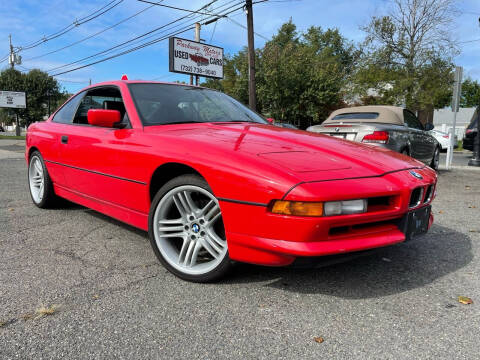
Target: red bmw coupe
213	182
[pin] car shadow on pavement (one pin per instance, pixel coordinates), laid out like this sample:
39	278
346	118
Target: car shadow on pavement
382	272
386	271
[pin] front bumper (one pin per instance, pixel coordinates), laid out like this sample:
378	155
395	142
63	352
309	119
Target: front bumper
255	235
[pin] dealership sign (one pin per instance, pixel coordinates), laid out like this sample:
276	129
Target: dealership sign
12	99
194	58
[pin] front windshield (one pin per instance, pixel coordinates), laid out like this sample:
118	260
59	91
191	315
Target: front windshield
161	104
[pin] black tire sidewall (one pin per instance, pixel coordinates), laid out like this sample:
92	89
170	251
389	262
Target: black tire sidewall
195	180
48	193
436	153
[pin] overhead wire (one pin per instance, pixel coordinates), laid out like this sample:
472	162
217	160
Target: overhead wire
125	42
72	26
142	36
90	36
186	28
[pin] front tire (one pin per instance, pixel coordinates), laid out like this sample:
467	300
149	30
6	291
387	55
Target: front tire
186	230
40	184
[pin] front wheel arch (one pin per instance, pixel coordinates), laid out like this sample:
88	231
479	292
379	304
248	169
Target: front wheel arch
31	151
166	172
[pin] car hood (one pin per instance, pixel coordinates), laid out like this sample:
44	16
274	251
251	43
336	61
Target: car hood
305	155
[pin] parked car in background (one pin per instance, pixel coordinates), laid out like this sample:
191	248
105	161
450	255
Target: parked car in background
390	127
2	129
286	125
214	182
470	133
443	139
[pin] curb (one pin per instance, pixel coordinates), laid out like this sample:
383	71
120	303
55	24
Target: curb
457	167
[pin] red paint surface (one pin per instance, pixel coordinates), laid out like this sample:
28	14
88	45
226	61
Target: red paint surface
240	161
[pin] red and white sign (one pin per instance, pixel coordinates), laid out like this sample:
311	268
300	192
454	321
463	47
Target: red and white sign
191	57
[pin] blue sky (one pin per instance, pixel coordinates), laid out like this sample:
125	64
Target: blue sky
29	20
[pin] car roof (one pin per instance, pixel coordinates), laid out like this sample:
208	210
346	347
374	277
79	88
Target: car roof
118	82
386	114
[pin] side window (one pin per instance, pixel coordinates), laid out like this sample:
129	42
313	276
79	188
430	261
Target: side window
411	120
108	98
65	114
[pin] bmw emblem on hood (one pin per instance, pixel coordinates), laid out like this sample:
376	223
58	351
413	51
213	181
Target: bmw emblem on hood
415	174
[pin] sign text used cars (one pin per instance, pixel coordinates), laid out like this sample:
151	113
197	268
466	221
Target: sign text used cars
190	57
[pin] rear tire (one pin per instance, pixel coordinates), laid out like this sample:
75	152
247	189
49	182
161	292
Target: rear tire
406	152
186	230
435	159
39	182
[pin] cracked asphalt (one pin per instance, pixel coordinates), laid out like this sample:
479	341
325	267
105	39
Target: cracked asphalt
115	301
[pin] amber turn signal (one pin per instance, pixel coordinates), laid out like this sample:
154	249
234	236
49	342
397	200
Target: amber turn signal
298	208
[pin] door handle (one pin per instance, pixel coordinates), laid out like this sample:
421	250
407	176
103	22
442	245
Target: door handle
64	139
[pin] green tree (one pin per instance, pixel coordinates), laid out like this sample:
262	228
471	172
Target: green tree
408	55
304	74
299	76
40	89
470	93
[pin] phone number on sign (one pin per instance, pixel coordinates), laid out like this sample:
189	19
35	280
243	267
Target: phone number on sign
197	70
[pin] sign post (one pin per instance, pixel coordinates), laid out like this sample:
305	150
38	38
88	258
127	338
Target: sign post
195	58
457	91
15	100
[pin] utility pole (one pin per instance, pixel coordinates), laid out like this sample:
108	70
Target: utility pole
197	39
11	58
252	97
457	92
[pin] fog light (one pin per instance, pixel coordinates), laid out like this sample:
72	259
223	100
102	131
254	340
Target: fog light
345	207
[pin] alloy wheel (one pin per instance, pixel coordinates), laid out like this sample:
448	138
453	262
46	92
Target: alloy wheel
36	179
188	230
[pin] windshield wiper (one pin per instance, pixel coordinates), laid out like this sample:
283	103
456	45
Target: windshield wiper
182	122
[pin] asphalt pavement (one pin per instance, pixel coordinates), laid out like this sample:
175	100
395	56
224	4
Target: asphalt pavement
111	298
460	158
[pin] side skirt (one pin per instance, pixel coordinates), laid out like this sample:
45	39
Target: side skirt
129	216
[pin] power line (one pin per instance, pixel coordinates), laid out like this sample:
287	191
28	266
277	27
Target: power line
90	36
468	41
138	47
243	26
124	52
73	81
176	8
213	32
137	37
72	26
189	27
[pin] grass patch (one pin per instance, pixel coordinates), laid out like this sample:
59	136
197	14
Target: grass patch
12	137
460	145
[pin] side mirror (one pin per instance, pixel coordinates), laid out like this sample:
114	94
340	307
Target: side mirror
429	126
271	120
103	118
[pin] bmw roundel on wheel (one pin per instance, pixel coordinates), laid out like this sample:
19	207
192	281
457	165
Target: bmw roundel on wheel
213	182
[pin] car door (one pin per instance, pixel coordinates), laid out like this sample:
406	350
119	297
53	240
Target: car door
52	139
420	142
96	158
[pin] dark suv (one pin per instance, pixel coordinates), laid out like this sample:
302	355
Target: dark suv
470	134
